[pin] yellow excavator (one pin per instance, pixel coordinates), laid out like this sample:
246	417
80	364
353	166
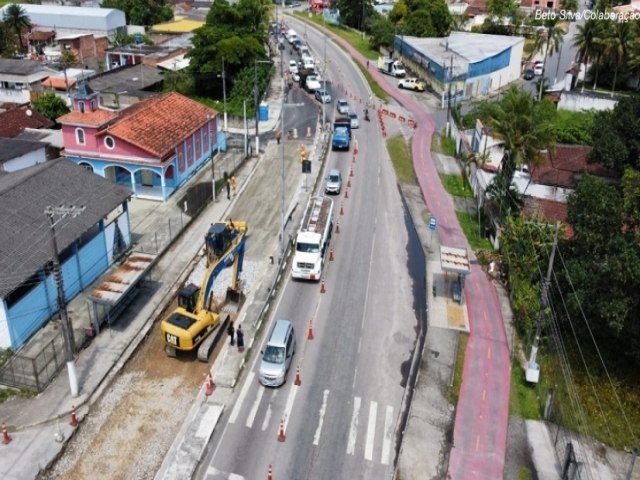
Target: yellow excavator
198	313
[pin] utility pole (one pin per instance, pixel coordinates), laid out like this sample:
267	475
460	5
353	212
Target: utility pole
449	98
246	128
255	101
533	369
61	212
324	77
224	94
213	172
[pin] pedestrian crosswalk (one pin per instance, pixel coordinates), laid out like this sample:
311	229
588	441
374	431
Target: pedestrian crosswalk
369	430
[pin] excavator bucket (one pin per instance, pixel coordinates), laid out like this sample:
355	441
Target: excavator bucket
233	300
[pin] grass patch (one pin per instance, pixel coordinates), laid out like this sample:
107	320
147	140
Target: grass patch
7	393
469	225
454	391
454	185
523	401
524	473
444	145
401	158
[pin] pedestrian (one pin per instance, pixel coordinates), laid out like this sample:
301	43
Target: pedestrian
234	185
228	188
278	136
230	332
240	335
367	64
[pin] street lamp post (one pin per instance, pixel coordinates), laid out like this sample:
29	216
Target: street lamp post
255	100
449	98
213	172
224	94
62	212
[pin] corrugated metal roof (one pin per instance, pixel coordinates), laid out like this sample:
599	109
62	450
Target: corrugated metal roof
25	245
84	18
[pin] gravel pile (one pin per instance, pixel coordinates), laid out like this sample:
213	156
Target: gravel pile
249	277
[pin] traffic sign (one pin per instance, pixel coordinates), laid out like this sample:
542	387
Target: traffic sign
432	223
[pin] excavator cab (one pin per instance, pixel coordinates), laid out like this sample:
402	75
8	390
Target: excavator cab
188	297
218	240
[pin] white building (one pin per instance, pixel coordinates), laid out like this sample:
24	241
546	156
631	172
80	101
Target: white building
107	22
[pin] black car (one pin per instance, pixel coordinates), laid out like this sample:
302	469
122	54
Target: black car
529	74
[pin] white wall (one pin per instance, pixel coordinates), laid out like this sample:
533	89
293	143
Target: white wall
27	160
5	338
576	102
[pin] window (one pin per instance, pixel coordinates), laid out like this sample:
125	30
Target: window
79	136
81	107
109	142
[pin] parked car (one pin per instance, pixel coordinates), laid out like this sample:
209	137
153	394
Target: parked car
412	84
293	66
529	74
323	96
355	121
538	68
333	183
343	106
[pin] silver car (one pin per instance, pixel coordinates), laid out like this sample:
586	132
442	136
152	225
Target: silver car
355	121
333	183
277	354
343	106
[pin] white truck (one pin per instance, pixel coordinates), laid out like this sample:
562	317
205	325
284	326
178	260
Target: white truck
391	67
312	240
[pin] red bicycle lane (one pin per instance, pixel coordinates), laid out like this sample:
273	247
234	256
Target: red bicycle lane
481	420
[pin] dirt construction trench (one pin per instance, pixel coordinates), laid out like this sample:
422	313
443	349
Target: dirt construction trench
127	433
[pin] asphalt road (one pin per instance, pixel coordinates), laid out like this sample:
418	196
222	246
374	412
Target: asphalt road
341	422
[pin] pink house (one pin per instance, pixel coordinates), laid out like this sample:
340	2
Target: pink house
153	146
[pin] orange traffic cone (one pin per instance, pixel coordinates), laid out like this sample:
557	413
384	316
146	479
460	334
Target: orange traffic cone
6	439
341	209
349	183
346	193
281	435
297	381
331	255
338	227
74	418
270	474
322	289
209	385
351	172
354	158
310	331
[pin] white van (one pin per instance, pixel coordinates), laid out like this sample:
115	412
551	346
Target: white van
277	354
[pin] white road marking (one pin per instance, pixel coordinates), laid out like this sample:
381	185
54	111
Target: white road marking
386	440
254	409
353	430
243	393
289	406
371	430
323	409
267	418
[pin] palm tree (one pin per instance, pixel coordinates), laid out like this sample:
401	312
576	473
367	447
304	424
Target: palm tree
7	41
17	19
617	47
587	41
550	41
525	128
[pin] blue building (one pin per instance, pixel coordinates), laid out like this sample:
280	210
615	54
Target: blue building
87	244
467	64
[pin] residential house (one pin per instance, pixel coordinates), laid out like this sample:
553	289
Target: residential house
530	6
17	154
153	146
88	244
152	55
125	86
19	78
15	119
463	65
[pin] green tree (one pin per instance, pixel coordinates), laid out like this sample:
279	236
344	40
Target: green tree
501	9
178	81
7	41
589	42
631	201
142	12
355	13
16	18
382	33
51	106
616	136
617	47
525	127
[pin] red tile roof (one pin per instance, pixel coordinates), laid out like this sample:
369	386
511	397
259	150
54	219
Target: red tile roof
58	83
562	167
158	124
549	210
88	119
15	120
476	7
39	35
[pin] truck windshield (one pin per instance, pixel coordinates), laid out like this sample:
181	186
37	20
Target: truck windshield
307	247
274	354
